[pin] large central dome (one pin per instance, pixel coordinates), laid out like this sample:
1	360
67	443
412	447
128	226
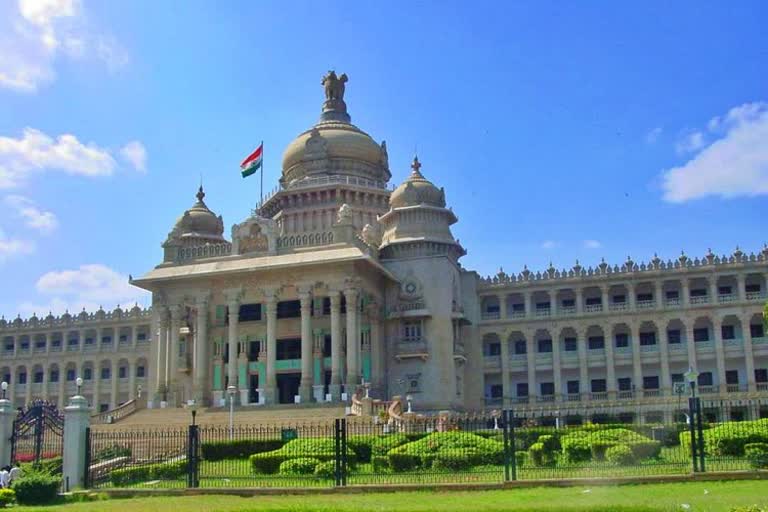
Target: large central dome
334	146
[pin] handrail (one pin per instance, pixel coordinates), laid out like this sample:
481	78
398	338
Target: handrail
116	414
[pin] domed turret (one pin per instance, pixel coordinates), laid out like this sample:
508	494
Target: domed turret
197	226
335	146
417	190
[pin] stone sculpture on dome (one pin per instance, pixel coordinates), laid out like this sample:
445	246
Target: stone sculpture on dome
334	86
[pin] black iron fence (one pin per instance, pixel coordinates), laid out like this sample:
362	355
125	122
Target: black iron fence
486	448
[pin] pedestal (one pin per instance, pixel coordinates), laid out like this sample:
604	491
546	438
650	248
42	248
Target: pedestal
270	395
318	393
335	391
218	397
77	417
260	392
244	398
7	415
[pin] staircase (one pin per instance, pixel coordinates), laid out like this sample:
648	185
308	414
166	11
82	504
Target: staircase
174	418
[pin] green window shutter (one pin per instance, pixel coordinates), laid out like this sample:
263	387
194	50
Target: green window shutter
221	314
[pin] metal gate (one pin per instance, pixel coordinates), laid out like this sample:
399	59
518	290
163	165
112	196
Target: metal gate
38	434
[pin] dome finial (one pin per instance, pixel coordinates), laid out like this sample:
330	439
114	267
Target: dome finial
416	166
334	108
200	194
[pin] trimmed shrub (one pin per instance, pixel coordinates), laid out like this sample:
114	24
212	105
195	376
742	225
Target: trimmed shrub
362	446
620	455
239	449
645	449
380	463
576	450
300	466
592	443
7	497
168	470
730	438
598	448
112	452
536	454
326	470
322	449
36	489
521	457
757	453
474	448
400	462
127	476
267	463
384	443
137	474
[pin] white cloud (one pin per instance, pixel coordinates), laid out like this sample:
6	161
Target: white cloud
88	286
736	164
36	151
135	153
10	247
549	244
35	218
652	136
592	244
692	142
34	33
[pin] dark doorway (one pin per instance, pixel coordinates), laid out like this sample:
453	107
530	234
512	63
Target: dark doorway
287	387
253	395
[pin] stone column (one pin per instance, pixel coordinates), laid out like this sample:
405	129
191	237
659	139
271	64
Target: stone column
637	365
553	302
76	420
305	386
44	389
134	337
503	306
584	389
632	298
528	300
115	338
749	356
173	354
270	384
659	294
685	286
717	334
16	342
580	300
335	388
114	374
12	384
161	356
201	352
30	378
666	378
132	380
530	354
353	342
7	415
606	297
232	340
48	342
62	385
81	341
610	364
557	377
97	386
377	352
318	383
506	384
741	285
692	363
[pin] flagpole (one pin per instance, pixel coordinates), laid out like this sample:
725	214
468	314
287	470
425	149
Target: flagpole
262	174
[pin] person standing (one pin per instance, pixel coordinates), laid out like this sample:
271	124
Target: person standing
15	473
5	478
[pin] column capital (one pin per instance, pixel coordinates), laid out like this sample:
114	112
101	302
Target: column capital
175	311
233	295
203	300
351	293
335	297
305	298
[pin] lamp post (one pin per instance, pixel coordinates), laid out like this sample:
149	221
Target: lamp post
138	391
231	391
691	376
409	399
193	410
4	387
79	384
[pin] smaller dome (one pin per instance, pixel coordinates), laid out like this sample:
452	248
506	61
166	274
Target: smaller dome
199	222
135	310
417	190
3	322
83	316
66	317
50	318
118	312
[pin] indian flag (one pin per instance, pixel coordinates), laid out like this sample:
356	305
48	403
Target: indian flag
252	162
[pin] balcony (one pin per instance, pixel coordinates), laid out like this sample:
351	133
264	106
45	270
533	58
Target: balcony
734	388
695	301
727	298
545	398
599	395
492	401
516	314
651	393
733	343
625	395
672	303
573	397
491	362
568	310
762	386
649	348
646	304
706	345
623	350
73	348
543	313
760	340
677	347
708	390
490	315
619	306
569	355
521	399
761	296
593	308
544	357
416	349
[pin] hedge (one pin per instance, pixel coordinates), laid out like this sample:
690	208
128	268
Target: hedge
593	444
300	466
137	474
730	438
757	453
446	450
322	449
620	455
36	489
7	497
326	470
239	449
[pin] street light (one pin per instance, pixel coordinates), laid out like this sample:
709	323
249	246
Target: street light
695	417
409	399
193	409
79	384
138	391
4	387
231	391
691	376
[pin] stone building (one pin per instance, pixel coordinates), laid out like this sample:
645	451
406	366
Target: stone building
335	281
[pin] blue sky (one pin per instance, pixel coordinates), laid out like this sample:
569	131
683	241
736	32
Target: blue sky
559	130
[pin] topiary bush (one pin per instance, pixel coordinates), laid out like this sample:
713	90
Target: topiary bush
460	447
382	444
620	455
362	445
239	449
576	449
400	462
136	474
521	457
7	497
299	466
536	454
380	463
322	449
593	443
326	470
129	476
36	489
757	453
730	438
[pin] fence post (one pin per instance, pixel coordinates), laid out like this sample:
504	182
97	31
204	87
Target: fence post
344	451
87	465
505	430
7	415
700	433
337	452
193	479
692	430
76	420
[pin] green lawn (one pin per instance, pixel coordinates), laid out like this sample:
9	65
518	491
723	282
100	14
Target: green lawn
681	497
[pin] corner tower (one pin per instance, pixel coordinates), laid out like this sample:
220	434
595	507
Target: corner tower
332	163
425	311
